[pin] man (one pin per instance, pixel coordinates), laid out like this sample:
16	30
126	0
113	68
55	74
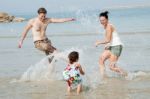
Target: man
38	26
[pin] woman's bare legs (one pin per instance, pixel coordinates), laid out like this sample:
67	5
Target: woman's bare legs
113	65
105	55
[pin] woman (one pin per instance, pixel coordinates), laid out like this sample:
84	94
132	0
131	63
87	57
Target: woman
113	46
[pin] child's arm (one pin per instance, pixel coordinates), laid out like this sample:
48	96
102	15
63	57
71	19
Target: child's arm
80	69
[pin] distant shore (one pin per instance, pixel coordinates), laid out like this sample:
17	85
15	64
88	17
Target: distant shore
5	18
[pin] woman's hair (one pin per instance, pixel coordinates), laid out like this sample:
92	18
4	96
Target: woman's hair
42	10
104	14
73	57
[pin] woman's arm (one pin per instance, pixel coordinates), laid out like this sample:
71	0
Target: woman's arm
107	38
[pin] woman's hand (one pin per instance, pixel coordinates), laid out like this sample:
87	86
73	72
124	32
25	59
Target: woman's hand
97	43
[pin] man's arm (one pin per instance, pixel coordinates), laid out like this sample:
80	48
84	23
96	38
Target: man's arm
55	20
24	34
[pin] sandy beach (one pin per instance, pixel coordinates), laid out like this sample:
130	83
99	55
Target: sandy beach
113	88
26	74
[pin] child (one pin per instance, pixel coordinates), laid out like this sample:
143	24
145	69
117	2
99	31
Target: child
72	73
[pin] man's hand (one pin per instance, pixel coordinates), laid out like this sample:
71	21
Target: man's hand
73	19
20	44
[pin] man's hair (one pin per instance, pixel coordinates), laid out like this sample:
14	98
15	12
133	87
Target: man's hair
42	10
73	57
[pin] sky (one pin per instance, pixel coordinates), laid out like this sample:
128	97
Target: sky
30	6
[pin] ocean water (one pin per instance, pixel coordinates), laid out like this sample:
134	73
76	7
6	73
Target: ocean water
26	74
127	20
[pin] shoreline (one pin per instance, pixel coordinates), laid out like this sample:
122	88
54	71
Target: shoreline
81	34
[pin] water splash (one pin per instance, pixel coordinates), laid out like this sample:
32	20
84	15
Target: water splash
38	71
44	70
134	75
89	21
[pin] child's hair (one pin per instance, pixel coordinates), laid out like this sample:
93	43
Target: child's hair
73	57
104	14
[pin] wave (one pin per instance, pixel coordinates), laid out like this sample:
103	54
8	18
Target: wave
130	75
128	7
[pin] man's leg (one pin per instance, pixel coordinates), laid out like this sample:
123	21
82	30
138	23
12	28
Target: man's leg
46	47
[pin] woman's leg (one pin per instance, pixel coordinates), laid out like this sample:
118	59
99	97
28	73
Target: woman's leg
113	65
105	55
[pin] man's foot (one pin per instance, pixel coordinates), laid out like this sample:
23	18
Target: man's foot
50	59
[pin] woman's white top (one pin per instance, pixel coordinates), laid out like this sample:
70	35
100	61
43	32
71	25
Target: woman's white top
115	40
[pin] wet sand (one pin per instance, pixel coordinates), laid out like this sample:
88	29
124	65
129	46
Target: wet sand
112	88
